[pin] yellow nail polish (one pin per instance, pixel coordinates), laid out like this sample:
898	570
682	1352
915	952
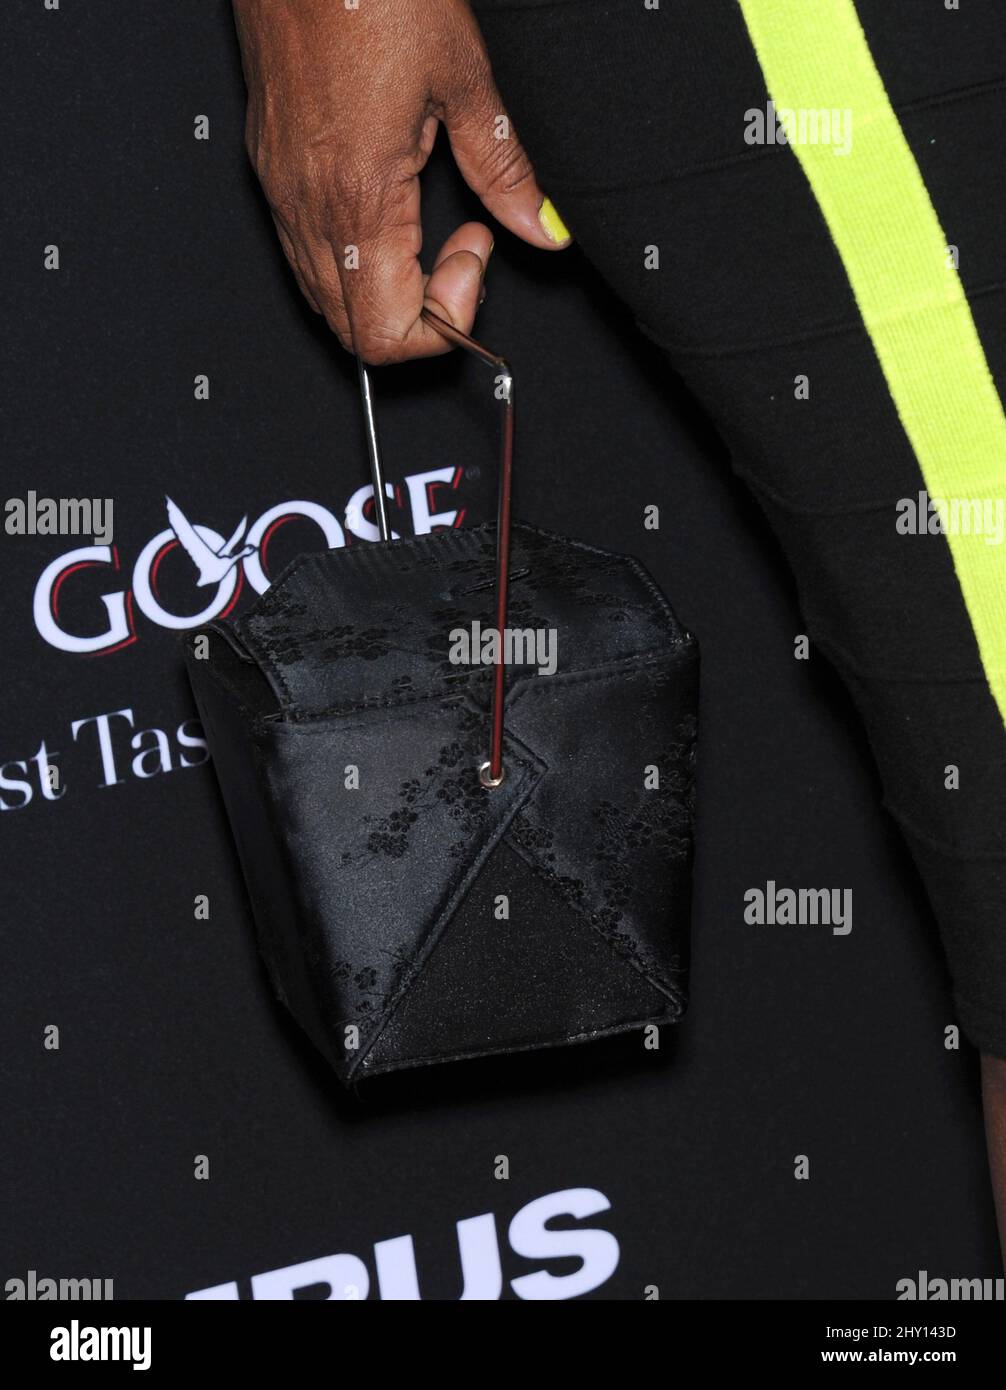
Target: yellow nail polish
551	223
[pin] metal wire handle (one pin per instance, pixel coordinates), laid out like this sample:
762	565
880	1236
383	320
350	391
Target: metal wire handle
491	772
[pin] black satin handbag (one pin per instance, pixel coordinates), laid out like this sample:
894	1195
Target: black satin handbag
451	860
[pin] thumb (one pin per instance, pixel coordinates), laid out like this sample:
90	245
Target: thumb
493	161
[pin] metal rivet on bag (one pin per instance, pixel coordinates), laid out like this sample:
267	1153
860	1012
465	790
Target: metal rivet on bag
488	781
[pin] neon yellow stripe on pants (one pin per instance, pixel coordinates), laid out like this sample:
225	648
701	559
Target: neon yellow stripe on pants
815	56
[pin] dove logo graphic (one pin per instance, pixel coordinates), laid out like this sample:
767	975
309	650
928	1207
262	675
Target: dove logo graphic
188	560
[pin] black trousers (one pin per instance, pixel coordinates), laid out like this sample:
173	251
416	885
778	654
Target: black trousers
634	118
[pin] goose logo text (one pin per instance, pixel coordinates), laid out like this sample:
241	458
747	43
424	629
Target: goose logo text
189	573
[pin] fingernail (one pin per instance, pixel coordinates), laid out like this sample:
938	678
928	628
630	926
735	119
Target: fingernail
552	224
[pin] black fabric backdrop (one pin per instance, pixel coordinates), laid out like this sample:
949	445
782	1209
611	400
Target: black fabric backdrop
798	1042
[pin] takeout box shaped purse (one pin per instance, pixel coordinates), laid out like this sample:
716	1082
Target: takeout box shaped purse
447	859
